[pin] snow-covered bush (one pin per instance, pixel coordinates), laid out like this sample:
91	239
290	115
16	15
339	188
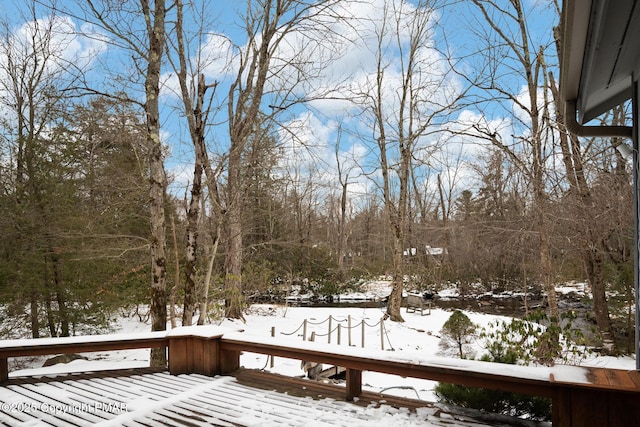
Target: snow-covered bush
535	339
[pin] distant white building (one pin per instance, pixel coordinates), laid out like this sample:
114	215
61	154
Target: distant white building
435	252
410	252
429	251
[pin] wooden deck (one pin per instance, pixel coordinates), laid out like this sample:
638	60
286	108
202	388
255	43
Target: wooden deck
146	397
581	396
431	413
609	397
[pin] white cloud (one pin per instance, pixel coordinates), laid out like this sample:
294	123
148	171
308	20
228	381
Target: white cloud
352	77
216	57
47	52
308	140
309	155
56	42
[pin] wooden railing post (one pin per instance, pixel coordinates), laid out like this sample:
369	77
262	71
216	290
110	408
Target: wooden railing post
4	369
271	356
229	361
196	350
354	383
561	407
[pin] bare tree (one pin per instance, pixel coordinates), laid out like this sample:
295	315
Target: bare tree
155	20
449	166
594	234
269	26
407	97
139	29
197	109
344	170
508	39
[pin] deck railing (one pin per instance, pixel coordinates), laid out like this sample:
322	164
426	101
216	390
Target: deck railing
179	342
580	396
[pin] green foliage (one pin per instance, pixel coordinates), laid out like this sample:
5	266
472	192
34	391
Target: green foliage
74	234
459	329
495	401
620	300
535	339
257	276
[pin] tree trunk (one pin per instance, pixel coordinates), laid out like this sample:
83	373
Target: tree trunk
197	119
33	314
235	200
600	309
445	228
204	300
51	321
547	270
63	314
157	175
233	266
158	258
174	288
342	228
192	246
581	195
395	298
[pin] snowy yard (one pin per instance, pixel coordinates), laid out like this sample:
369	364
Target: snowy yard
417	339
417	335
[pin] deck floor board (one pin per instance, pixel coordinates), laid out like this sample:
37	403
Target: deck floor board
247	398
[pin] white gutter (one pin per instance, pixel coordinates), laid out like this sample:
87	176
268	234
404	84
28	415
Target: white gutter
577	129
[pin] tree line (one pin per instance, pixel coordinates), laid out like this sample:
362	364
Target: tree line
93	221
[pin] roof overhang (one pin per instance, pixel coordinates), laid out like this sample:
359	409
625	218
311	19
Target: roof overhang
600	54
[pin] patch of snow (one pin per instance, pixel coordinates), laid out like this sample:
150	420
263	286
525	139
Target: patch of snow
578	288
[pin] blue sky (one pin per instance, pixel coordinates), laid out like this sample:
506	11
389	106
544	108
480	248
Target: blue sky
319	124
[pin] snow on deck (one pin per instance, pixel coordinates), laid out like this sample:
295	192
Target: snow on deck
147	398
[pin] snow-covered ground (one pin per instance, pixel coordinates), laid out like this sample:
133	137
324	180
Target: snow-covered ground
418	334
418	338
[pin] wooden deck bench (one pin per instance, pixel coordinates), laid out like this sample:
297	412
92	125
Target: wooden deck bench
417	303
